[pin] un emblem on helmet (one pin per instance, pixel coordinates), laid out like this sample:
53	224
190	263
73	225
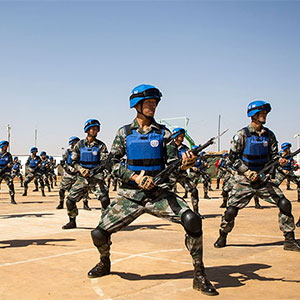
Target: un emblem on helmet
154	143
95	152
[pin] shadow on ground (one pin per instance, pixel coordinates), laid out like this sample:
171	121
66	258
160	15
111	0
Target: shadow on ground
39	242
222	276
36	215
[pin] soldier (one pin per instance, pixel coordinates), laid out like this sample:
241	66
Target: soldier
287	171
87	154
70	174
6	164
148	146
199	171
52	175
221	172
15	171
33	165
251	149
298	223
45	169
183	177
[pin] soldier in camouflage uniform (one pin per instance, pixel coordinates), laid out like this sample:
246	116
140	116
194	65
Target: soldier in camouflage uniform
45	169
87	155
6	164
183	178
251	149
33	165
221	172
198	172
15	171
52	175
287	171
148	146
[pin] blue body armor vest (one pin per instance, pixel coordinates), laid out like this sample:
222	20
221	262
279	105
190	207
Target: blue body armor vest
69	152
222	163
182	150
288	166
145	151
4	160
43	167
16	166
89	156
256	152
33	163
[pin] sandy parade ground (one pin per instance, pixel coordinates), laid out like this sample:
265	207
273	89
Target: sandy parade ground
39	260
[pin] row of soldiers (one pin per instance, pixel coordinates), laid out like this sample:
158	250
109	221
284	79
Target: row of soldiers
145	157
40	168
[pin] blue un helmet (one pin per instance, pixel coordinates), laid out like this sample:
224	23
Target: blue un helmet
47	156
194	147
3	143
257	106
202	153
90	123
177	131
284	146
143	92
16	157
33	149
73	139
225	154
51	157
43	153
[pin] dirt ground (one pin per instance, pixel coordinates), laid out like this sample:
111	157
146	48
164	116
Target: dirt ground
39	260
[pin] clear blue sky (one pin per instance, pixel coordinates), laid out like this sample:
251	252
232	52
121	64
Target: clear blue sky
62	63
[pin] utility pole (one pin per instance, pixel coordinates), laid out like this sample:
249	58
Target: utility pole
219	132
8	137
35	137
297	137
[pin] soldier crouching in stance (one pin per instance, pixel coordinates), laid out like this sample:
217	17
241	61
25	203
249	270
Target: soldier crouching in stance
251	149
149	147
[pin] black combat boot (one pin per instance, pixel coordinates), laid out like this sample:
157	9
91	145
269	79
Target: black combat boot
185	195
71	224
221	241
101	269
290	243
12	200
298	223
218	184
288	186
224	204
49	190
201	283
60	205
206	196
43	193
52	186
86	205
298	195
36	189
257	205
25	192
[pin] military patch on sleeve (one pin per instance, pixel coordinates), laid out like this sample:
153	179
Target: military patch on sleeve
236	138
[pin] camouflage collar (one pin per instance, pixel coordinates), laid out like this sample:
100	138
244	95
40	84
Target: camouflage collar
263	131
153	126
96	142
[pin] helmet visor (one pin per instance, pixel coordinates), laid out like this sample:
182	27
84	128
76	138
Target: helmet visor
265	107
155	93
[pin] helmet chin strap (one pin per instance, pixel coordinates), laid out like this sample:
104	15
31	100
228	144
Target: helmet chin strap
141	112
258	121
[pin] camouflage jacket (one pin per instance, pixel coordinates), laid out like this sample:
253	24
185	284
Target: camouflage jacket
119	149
238	144
76	152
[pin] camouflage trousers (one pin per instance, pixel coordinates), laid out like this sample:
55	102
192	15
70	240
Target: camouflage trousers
163	204
45	177
9	181
52	176
189	186
80	189
241	194
65	185
280	176
221	173
38	178
17	173
197	176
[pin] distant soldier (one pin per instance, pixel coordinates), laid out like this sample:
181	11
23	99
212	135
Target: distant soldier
221	172
6	164
33	165
251	149
287	171
52	175
183	178
87	155
16	170
45	169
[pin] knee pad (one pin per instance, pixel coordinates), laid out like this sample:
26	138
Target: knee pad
105	201
194	193
231	213
192	223
99	236
224	194
285	206
70	205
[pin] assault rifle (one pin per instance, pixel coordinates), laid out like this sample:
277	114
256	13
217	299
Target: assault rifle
263	174
164	174
105	164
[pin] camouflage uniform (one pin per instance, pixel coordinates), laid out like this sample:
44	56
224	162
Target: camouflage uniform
242	190
33	174
15	171
132	201
52	175
221	173
80	188
45	171
280	175
5	173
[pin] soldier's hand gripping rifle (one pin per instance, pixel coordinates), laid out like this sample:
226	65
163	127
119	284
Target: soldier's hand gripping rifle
105	164
264	174
164	174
